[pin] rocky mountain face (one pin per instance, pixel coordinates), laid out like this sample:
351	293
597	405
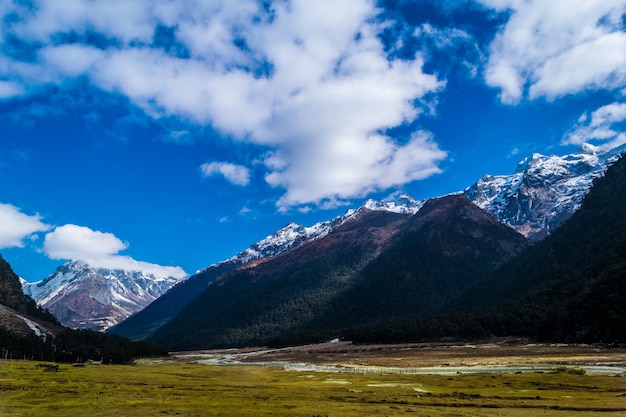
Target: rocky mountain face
82	297
543	191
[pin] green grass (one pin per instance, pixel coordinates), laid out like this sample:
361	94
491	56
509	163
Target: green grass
187	389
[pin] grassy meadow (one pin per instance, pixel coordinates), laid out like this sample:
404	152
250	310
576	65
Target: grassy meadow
152	388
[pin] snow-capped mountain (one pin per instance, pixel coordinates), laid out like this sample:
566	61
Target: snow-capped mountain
534	200
83	297
294	235
544	191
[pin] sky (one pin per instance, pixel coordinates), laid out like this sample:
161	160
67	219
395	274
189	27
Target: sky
167	135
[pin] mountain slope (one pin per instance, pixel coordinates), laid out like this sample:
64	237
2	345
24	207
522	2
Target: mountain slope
19	314
141	324
573	284
83	297
569	287
325	286
249	304
544	191
290	237
448	245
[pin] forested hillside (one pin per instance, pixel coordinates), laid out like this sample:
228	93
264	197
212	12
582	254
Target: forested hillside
382	267
574	282
570	287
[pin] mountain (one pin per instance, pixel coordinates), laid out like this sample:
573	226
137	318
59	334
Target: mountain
569	287
543	191
82	297
28	331
450	270
572	285
287	238
19	314
376	265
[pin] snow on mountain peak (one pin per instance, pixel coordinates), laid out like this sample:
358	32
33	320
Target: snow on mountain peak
404	204
81	296
293	235
543	191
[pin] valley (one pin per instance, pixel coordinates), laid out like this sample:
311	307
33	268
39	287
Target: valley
184	384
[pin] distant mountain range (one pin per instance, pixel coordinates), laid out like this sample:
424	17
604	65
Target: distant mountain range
535	200
525	200
82	297
377	265
450	270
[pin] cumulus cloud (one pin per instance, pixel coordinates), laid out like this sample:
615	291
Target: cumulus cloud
354	167
17	226
292	77
551	48
600	126
236	174
100	250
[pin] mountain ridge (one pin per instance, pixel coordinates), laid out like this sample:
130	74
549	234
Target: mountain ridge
320	289
534	200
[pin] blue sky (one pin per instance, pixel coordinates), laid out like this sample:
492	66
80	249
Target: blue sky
168	135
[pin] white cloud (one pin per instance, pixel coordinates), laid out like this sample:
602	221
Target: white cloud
100	250
347	167
78	242
600	126
303	80
554	48
16	226
10	89
236	174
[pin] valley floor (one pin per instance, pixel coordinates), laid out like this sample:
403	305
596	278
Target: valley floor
503	378
503	355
